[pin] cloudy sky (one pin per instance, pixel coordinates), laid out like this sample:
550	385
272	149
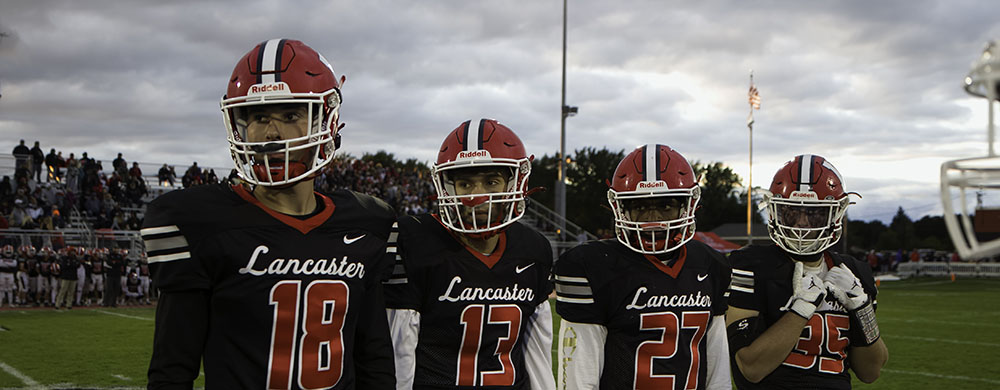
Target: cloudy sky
873	86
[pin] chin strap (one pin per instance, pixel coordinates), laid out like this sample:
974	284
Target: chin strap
805	258
534	190
485	235
278	173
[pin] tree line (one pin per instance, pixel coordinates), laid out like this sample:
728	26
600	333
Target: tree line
723	200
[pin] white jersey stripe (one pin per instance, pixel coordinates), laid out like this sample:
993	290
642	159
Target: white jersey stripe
742	272
741	289
805	172
267	67
574	300
574	290
572	279
651	168
739	280
159	230
170	257
160	244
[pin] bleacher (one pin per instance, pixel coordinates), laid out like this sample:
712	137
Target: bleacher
944	269
79	229
561	233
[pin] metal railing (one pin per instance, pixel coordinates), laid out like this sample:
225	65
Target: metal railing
939	269
547	221
100	238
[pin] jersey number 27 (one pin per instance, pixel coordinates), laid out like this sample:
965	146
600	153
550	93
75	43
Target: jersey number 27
666	347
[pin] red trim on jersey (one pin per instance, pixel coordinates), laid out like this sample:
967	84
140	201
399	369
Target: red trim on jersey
670	270
489	260
304	226
829	261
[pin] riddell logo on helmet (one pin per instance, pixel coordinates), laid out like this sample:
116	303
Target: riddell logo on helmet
474	154
802	195
257	89
644	185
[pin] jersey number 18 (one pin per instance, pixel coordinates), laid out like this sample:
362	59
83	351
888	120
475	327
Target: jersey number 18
320	353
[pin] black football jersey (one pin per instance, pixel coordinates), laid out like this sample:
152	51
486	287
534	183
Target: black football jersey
45	267
32	265
472	316
762	281
269	300
656	314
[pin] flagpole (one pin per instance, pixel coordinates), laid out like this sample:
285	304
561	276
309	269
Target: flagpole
750	171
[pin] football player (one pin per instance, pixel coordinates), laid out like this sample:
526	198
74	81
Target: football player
469	293
46	257
645	310
144	282
97	273
21	277
8	267
31	263
800	314
271	284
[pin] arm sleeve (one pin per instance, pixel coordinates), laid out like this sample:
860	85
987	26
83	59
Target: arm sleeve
174	264
538	348
404	327
373	361
581	355
179	339
718	377
743	283
575	298
399	289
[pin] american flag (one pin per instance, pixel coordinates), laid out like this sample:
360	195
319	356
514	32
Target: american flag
754	97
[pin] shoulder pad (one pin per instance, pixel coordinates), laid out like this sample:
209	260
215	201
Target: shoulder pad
193	210
363	211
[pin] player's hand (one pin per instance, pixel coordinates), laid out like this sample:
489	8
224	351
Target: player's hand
846	287
808	292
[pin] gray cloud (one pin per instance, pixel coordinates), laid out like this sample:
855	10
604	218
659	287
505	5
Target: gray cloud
873	82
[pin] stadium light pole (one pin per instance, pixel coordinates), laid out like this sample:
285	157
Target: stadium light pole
565	111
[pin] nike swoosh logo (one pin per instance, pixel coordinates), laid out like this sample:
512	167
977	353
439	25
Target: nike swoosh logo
350	241
521	269
702	277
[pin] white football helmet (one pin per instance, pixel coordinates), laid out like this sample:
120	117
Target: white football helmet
970	228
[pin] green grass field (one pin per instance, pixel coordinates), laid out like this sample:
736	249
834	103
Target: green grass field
941	335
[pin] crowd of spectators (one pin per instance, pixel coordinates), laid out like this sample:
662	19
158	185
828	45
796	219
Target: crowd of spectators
408	190
45	187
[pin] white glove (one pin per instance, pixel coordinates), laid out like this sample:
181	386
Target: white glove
846	287
808	292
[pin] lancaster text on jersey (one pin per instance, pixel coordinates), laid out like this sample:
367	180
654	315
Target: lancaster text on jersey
304	267
509	293
687	300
